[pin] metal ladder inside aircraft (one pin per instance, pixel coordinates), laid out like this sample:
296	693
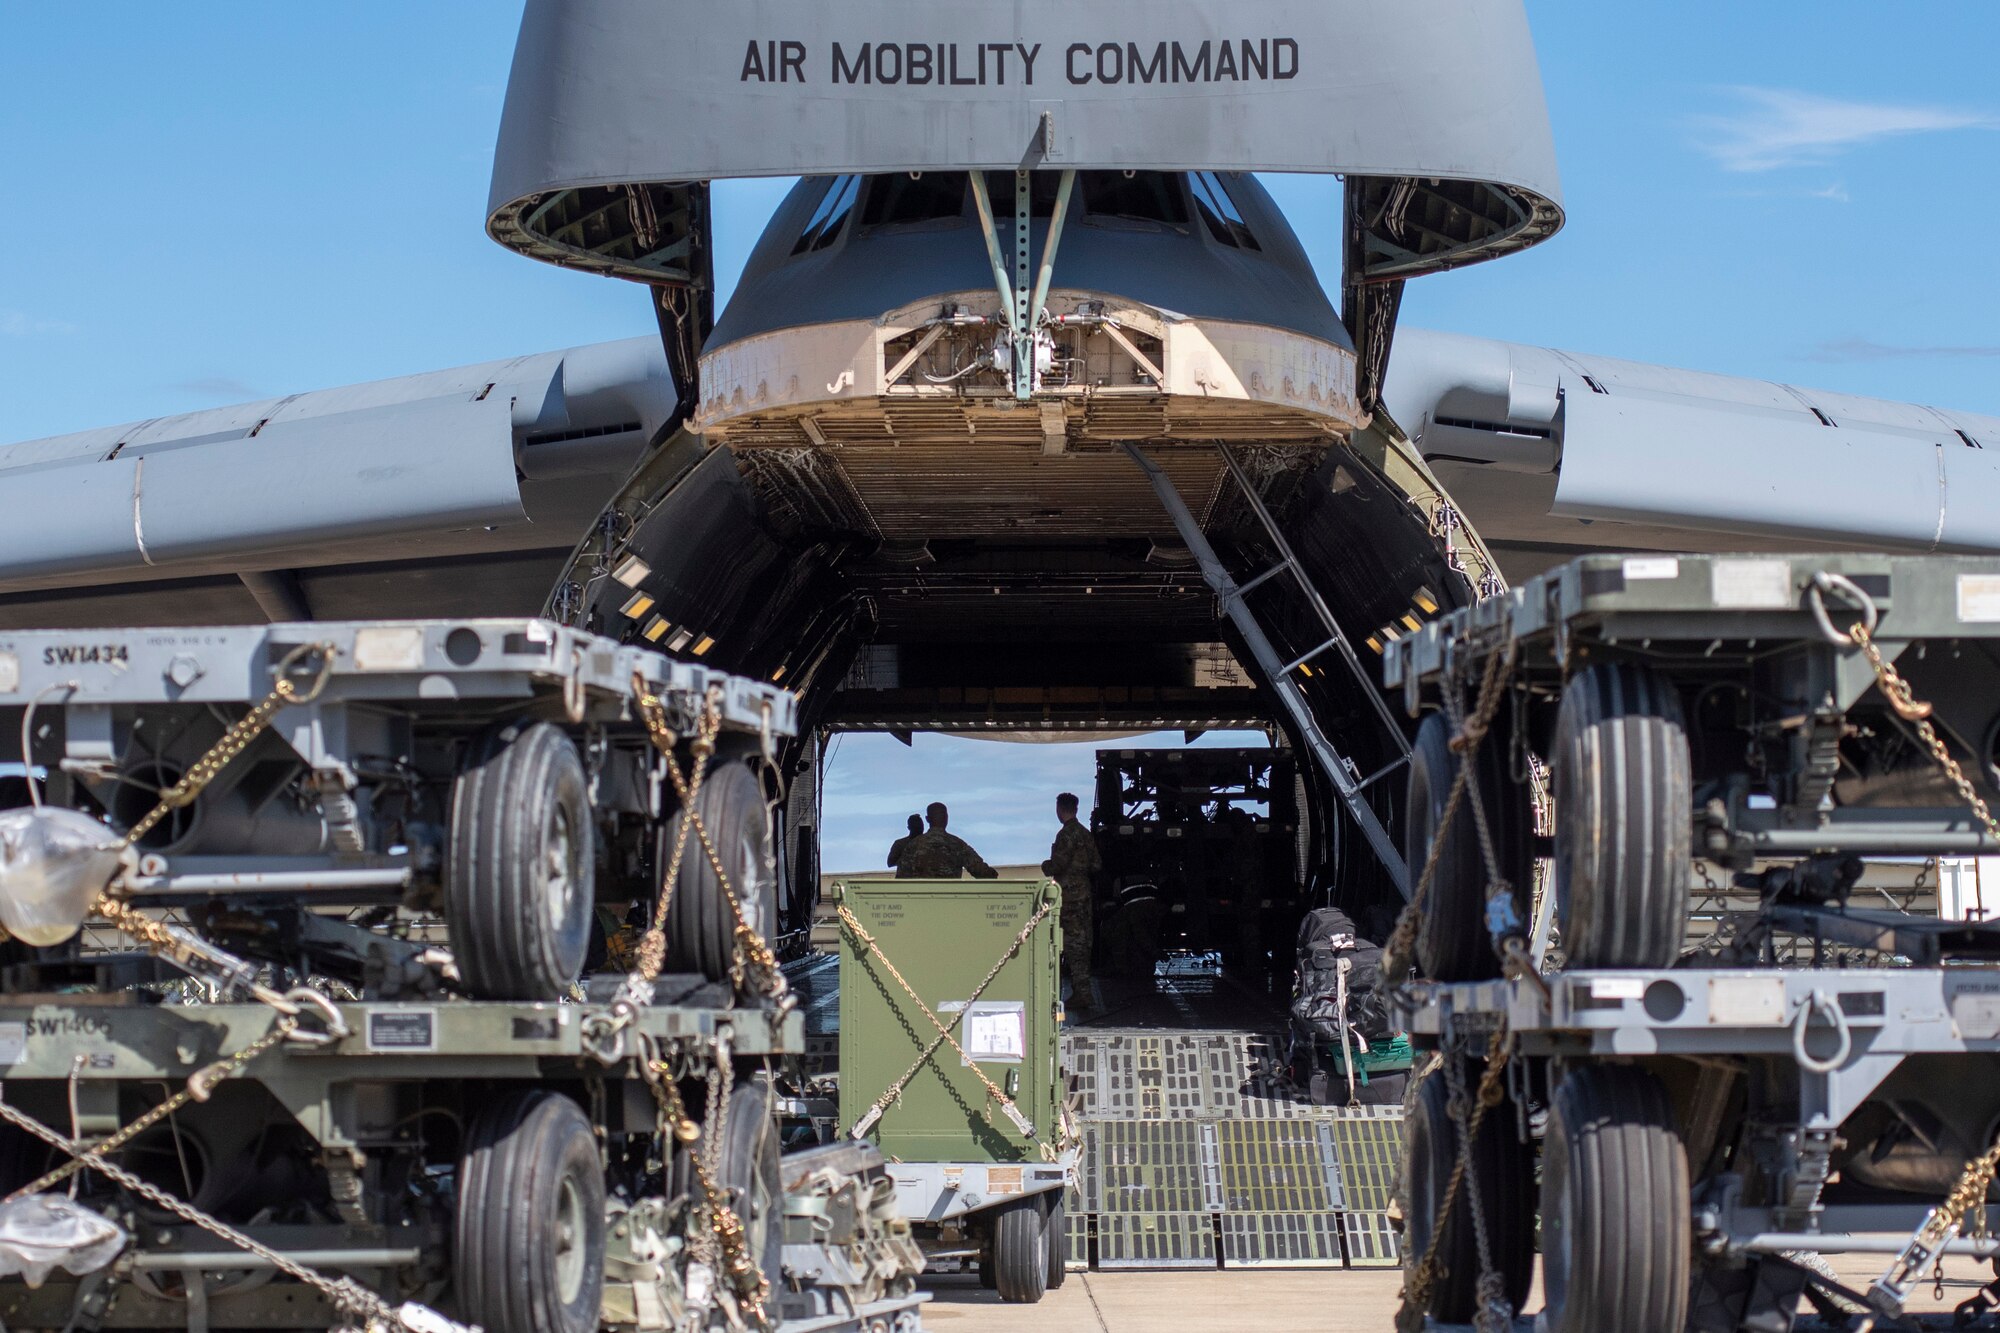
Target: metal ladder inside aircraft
1281	674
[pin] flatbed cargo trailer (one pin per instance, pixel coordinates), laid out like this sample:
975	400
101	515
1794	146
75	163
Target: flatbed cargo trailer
444	1000
1709	1121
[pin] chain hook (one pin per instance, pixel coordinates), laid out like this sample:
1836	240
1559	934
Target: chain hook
282	682
333	1027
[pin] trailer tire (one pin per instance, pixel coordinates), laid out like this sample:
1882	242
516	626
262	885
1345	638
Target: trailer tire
1020	1253
1453	944
520	871
1058	1229
1616	1237
529	1235
700	928
1505	1171
1624	818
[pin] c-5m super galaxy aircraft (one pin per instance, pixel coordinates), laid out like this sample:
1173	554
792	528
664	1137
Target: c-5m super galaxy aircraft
1028	412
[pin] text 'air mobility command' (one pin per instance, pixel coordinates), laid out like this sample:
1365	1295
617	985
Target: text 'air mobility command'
978	64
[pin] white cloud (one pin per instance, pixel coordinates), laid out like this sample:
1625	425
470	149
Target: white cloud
1775	128
16	324
1863	349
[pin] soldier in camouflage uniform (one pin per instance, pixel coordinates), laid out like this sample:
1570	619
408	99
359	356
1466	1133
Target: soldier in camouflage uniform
937	854
1072	861
903	844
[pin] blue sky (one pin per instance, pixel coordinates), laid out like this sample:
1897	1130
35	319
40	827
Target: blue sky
229	200
1001	793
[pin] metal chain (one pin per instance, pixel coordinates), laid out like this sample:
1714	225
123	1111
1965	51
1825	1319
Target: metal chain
190	952
200	1086
753	953
1938	1227
1973	1184
895	1089
1417	1290
194	954
1913	710
1470	733
752	1287
1493	1314
715	1120
1400	954
237	738
346	1294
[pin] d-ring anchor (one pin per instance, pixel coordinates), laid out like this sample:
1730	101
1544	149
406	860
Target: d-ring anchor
1851	592
1819	1002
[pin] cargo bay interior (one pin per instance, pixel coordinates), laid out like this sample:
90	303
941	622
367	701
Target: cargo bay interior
1181	520
924	551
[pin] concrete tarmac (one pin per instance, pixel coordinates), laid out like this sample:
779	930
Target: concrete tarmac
1232	1301
1248	1301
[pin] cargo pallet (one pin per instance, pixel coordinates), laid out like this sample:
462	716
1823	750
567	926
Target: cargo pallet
1708	1123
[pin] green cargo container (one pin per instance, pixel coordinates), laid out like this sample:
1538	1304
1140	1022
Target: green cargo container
944	936
978	1178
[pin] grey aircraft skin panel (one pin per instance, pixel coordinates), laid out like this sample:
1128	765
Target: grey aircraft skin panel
1662	432
471	466
617	109
866	269
1551	452
611	91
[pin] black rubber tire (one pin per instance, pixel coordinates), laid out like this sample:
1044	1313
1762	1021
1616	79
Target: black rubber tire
750	1175
1505	1168
1020	1253
1624	819
989	1278
1058	1243
1454	944
750	1171
1616	1240
701	930
520	811
530	1177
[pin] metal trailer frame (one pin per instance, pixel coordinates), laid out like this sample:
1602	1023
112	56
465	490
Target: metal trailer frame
77	1058
1800	1049
937	1194
1843	1033
358	1101
1756	614
69	1062
84	691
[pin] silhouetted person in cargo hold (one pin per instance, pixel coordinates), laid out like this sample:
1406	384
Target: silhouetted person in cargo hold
902	845
941	855
1073	860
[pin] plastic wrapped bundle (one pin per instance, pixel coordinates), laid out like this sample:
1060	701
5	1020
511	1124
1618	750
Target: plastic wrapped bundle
53	865
43	1232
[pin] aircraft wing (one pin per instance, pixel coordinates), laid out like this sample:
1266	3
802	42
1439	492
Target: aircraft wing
435	494
1548	453
466	490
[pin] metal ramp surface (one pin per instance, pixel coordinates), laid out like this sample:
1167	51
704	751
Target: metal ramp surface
1198	1153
